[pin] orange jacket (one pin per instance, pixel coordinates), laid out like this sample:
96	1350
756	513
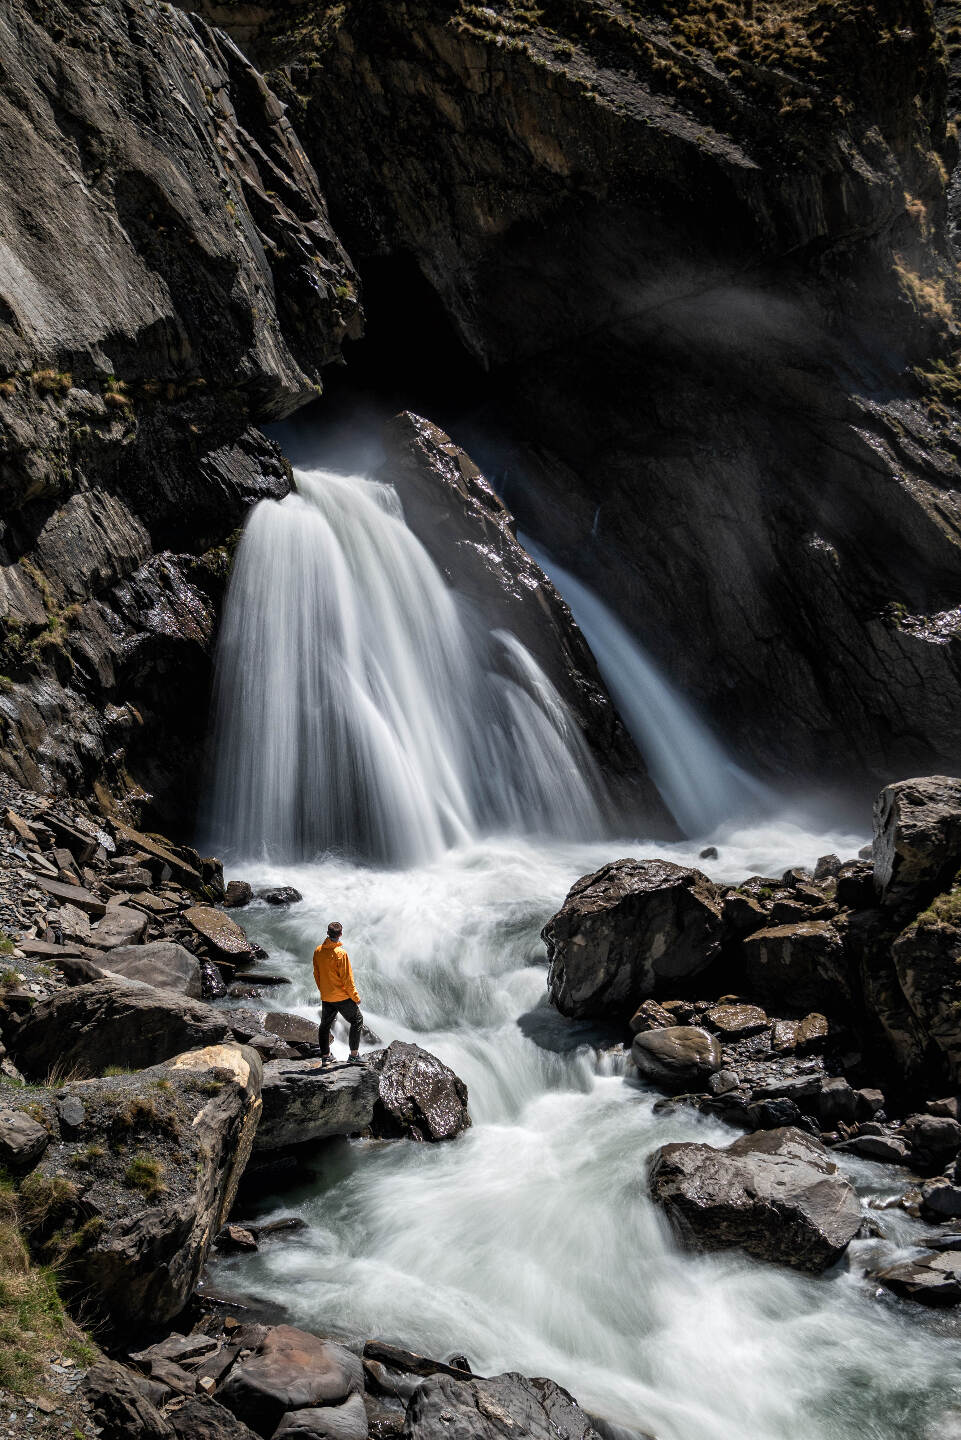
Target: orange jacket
332	972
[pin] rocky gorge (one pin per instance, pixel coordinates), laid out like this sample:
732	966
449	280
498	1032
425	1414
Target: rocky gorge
445	448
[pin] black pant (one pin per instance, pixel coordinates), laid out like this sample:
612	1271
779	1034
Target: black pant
351	1013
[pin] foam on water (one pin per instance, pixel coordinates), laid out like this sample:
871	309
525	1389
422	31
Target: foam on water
530	1243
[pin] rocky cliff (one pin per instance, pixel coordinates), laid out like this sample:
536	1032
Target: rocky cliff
168	278
702	252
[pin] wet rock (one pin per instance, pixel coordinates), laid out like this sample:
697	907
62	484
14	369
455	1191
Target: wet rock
682	1057
708	853
805	962
934	1135
224	935
163	964
743	913
650	1016
280	895
418	1096
733	1022
289	1371
827	867
917	840
304	1102
855	888
119	1408
22	1141
119	927
132	1222
775	1194
206	1419
473	1409
929	1281
837	1101
802	1036
887	1149
347	1421
236	1237
941	1200
927	967
238	893
722	1082
86	1029
628	932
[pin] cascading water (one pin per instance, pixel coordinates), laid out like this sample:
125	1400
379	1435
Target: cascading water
697	779
359	709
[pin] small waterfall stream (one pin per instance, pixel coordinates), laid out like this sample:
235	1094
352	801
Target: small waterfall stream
359	709
698	781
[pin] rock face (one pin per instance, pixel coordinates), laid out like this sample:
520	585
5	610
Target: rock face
917	840
627	932
304	1103
490	1409
184	282
803	964
776	1195
762	157
129	1196
418	1096
87	1029
678	1057
471	537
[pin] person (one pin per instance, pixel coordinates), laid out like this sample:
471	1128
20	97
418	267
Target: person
338	993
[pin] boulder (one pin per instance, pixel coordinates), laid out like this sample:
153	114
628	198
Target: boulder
119	926
927	965
162	964
917	840
295	1029
303	1102
650	1016
347	1421
887	1149
280	895
90	1027
934	1280
941	1200
627	933
22	1141
443	1408
238	893
737	1021
803	963
418	1096
119	1408
221	933
129	1207
775	1194
681	1057
289	1371
200	1419
837	1101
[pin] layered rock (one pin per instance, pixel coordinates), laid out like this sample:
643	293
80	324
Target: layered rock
776	1195
182	281
140	1174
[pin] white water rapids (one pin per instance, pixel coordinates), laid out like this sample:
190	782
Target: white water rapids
529	1243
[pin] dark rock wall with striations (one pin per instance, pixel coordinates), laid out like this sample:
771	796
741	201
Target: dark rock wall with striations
703	251
168	278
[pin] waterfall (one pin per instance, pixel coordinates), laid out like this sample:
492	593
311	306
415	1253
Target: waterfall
698	781
361	708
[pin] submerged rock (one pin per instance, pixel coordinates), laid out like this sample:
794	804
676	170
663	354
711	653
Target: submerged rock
628	932
418	1096
775	1194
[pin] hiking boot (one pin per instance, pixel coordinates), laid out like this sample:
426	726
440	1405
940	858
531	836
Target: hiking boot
354	1060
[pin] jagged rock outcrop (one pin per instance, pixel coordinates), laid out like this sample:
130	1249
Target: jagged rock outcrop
776	1195
139	1176
703	259
168	276
471	537
626	932
418	1096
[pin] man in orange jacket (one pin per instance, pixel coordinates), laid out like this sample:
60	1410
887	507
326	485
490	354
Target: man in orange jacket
338	993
